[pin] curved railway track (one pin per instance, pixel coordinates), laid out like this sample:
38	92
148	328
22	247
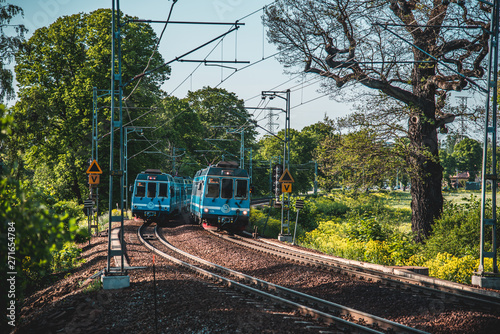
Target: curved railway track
339	317
394	278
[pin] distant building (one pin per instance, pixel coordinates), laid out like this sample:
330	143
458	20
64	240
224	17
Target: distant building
462	180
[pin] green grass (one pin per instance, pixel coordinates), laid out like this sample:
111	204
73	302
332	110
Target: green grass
402	199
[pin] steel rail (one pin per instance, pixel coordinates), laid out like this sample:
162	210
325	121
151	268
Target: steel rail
326	318
346	312
428	286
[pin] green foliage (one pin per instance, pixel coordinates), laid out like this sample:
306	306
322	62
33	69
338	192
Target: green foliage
222	116
10	42
328	207
364	229
457	231
468	155
82	234
38	231
94	285
303	144
57	69
67	258
180	125
33	232
359	160
452	268
373	232
267	226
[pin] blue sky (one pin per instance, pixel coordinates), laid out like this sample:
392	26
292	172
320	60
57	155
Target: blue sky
248	44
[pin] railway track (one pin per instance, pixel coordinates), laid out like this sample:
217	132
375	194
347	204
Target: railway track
338	317
391	277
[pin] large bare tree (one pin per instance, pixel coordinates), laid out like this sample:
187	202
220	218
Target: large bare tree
415	52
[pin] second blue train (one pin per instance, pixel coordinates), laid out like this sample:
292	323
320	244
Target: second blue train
220	197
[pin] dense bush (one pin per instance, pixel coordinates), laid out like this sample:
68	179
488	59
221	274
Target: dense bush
267	225
336	237
364	227
457	231
373	232
327	207
36	232
452	268
67	258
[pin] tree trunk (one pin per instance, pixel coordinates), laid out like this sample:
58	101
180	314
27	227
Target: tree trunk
426	172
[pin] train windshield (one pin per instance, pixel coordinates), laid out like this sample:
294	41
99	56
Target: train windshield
227	188
163	190
241	189
213	187
151	189
140	189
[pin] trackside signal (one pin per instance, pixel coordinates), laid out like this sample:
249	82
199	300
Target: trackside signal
286	177
94	168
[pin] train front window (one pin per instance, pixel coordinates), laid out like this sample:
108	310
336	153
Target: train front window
213	187
140	189
151	189
163	190
227	188
241	189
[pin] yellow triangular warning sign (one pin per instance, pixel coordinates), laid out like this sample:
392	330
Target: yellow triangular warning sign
94	168
286	177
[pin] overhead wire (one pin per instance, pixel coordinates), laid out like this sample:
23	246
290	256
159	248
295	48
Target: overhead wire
155	49
190	75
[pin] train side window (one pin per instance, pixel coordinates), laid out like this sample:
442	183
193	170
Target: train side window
199	189
227	188
151	189
213	187
241	189
140	189
163	190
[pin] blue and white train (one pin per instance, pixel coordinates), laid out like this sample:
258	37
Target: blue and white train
157	196
220	197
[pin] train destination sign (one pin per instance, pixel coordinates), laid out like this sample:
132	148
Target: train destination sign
94	168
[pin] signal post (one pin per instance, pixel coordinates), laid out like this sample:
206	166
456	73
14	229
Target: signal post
90	205
286	180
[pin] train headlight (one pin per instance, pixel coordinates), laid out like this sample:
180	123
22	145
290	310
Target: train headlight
205	210
135	206
245	212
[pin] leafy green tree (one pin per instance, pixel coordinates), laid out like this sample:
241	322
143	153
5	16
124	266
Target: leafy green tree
350	44
29	231
177	129
449	165
302	146
8	46
324	155
468	155
223	117
359	160
57	69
